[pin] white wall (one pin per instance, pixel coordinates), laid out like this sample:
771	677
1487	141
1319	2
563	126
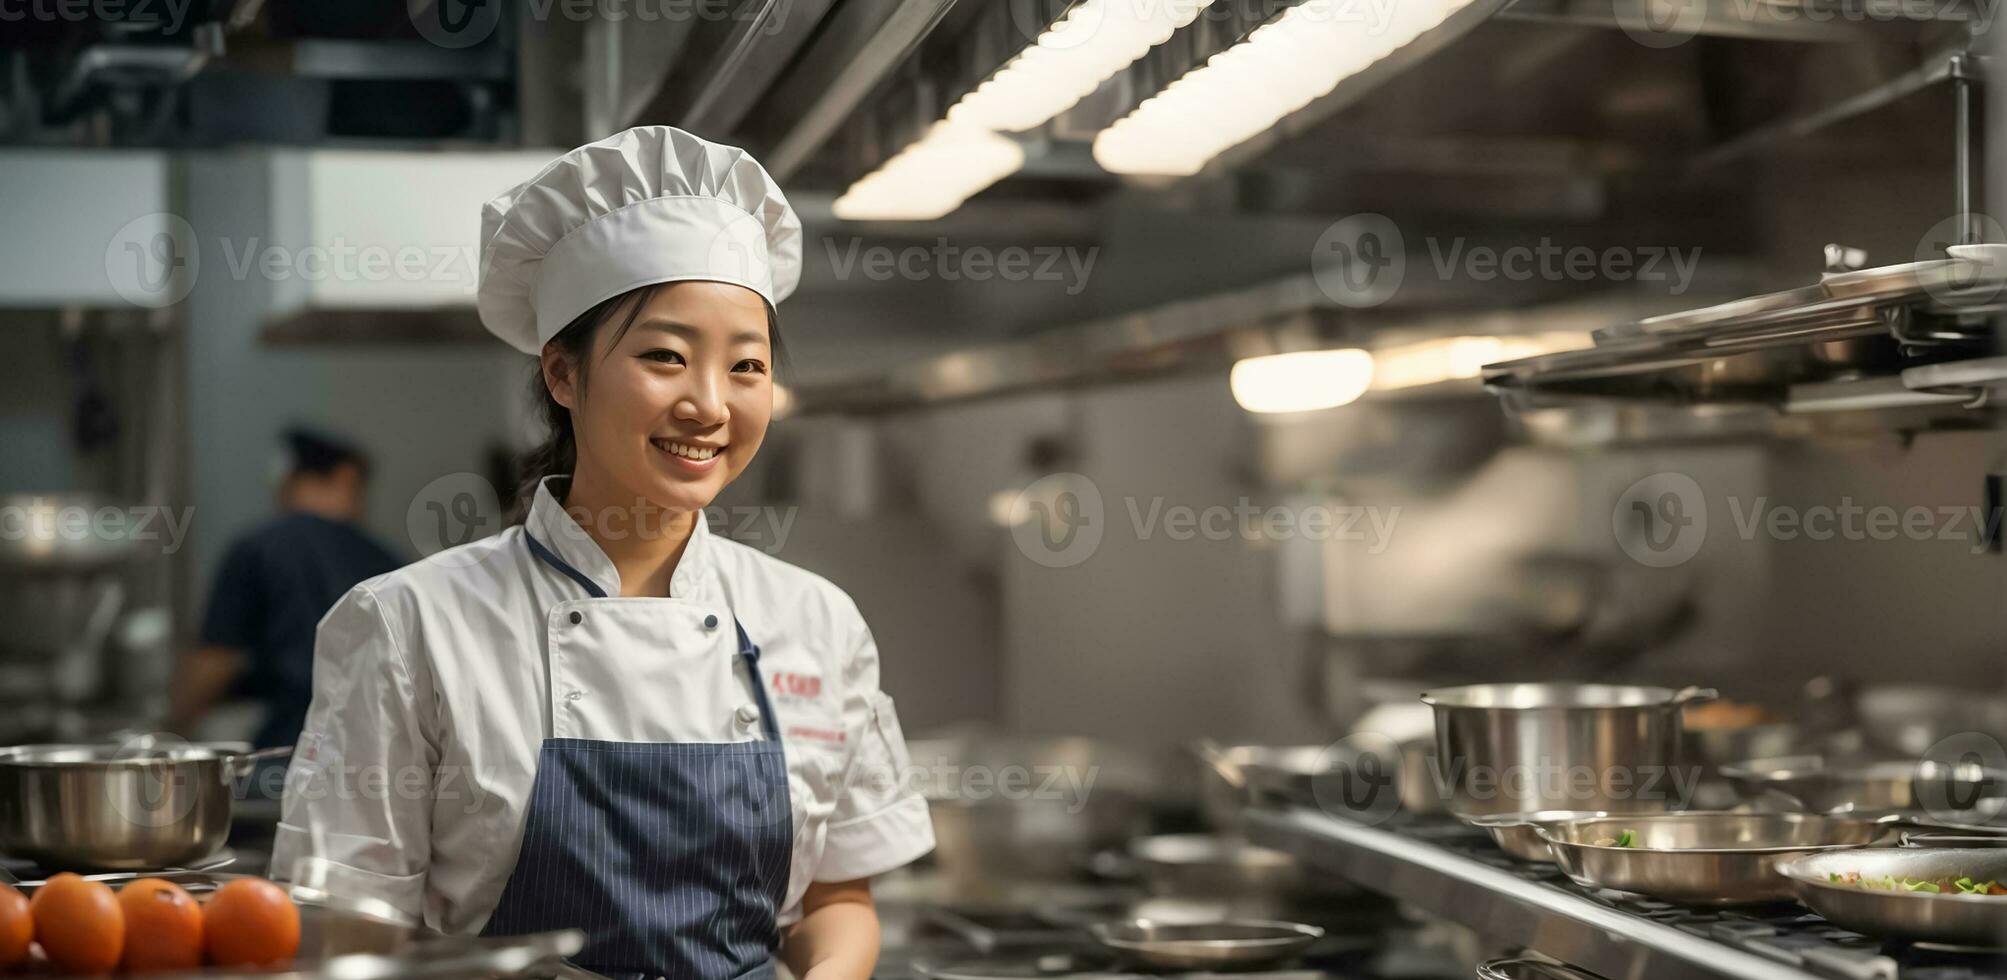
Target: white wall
422	412
66	215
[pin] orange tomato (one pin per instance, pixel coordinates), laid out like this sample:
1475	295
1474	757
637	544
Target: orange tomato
17	927
250	922
163	927
78	923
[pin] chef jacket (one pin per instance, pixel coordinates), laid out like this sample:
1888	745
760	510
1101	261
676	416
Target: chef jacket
435	686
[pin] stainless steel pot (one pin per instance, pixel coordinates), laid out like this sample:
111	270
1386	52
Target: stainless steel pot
1699	858
1967	920
1513	748
97	806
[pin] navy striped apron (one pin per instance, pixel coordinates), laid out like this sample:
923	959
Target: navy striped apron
672	856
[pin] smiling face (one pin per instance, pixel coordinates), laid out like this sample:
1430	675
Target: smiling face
672	408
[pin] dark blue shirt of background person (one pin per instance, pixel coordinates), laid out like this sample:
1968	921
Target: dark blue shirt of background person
276	581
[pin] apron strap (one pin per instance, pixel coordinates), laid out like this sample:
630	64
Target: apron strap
751	654
547	557
747	650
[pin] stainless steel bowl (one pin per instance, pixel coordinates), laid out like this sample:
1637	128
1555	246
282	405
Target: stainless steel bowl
1515	748
1965	920
1518	834
1872	788
1232	945
1699	858
96	806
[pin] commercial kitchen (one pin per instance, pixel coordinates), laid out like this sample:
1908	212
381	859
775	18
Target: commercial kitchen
1380	490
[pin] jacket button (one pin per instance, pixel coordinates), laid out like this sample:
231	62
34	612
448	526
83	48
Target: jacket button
577	617
711	622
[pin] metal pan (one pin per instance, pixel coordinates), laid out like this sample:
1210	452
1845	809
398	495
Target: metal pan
1700	858
1232	945
116	808
1870	788
1518	834
1964	920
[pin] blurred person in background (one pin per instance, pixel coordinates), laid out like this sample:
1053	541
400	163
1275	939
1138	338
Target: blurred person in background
276	582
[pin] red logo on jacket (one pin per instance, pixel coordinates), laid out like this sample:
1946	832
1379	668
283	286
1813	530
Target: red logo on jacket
792	685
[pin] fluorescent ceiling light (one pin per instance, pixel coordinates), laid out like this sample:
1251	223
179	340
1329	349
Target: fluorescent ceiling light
1089	43
1306	381
962	154
931	176
1443	359
1279	68
1302	381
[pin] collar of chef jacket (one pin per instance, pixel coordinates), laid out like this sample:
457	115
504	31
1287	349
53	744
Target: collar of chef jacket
555	529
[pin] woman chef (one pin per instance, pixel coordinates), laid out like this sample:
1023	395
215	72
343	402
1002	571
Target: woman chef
606	718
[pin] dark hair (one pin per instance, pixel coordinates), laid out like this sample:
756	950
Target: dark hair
316	453
557	455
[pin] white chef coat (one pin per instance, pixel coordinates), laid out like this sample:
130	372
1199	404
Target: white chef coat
435	686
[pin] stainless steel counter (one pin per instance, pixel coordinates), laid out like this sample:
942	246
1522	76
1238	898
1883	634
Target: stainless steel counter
1441	868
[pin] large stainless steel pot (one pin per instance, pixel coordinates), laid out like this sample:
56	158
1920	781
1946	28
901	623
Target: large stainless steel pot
99	806
1517	748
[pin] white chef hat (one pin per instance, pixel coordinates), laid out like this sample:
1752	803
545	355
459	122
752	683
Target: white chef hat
650	205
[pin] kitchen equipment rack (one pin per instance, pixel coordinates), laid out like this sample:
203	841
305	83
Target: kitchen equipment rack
1445	869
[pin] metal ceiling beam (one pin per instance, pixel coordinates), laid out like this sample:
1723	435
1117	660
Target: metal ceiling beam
1722	18
763	40
862	43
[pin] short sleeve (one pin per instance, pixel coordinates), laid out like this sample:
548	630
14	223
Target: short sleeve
880	822
235	600
349	797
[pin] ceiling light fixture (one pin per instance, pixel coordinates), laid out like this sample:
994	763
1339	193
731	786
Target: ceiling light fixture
1088	44
931	176
1301	381
1278	68
965	153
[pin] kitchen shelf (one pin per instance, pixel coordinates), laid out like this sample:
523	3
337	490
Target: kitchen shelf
1450	871
1849	325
